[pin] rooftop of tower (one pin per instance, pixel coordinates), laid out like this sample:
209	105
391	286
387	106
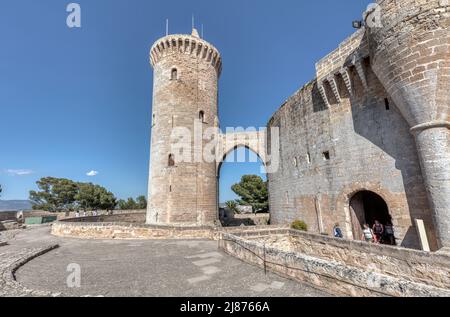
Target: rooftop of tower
189	44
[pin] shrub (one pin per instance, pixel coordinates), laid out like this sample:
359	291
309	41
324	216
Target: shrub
299	225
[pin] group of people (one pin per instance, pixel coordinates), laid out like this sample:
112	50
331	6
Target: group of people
379	233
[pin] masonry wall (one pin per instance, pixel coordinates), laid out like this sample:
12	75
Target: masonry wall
411	56
370	148
341	266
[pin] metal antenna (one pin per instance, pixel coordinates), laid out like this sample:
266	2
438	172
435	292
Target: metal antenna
202	30
193	21
167	27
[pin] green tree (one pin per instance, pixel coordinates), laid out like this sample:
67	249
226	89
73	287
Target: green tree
94	197
60	194
107	200
122	205
56	194
141	202
130	203
232	205
252	191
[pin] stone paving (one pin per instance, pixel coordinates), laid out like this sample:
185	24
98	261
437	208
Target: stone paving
137	268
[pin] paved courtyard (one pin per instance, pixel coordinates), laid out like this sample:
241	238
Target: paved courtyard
145	268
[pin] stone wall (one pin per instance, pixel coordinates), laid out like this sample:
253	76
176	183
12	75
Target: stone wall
10	262
132	226
343	267
349	130
111	230
369	147
8	215
411	56
138	218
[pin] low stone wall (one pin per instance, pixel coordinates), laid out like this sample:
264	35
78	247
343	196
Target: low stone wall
136	218
69	215
10	262
132	226
9	225
342	267
111	230
8	215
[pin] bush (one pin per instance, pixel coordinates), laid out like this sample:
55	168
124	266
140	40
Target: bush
299	225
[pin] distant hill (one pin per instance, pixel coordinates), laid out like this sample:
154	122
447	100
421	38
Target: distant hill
13	205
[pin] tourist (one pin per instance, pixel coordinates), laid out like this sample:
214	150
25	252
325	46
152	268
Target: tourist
378	230
77	214
337	232
389	233
84	213
367	234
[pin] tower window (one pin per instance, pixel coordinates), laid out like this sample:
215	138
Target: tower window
308	158
153	120
171	162
201	116
326	155
386	103
174	74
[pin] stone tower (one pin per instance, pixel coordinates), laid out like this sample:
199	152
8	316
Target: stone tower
182	189
411	56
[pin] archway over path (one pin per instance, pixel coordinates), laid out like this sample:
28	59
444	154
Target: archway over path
241	154
366	207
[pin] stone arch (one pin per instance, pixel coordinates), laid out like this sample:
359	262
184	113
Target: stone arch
255	141
219	164
252	141
367	207
346	195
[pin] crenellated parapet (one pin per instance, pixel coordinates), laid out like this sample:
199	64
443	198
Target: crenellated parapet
346	64
186	44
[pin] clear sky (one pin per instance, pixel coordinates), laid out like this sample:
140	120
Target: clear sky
74	101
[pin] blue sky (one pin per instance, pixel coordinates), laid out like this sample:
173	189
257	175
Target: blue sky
79	100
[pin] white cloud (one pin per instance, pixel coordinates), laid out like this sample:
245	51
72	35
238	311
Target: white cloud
19	172
92	173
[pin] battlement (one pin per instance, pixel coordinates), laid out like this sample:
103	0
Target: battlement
186	44
351	50
339	65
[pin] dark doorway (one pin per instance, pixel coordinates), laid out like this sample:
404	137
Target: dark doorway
366	207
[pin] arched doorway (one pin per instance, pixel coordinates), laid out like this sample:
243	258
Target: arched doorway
237	162
365	208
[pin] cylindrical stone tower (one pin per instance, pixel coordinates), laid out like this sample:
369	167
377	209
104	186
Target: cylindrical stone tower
410	54
182	185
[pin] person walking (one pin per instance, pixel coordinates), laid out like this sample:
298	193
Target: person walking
337	232
378	230
389	233
367	234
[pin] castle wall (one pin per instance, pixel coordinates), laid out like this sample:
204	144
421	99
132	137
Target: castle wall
411	57
370	148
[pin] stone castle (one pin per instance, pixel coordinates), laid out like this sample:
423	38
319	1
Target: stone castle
367	139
